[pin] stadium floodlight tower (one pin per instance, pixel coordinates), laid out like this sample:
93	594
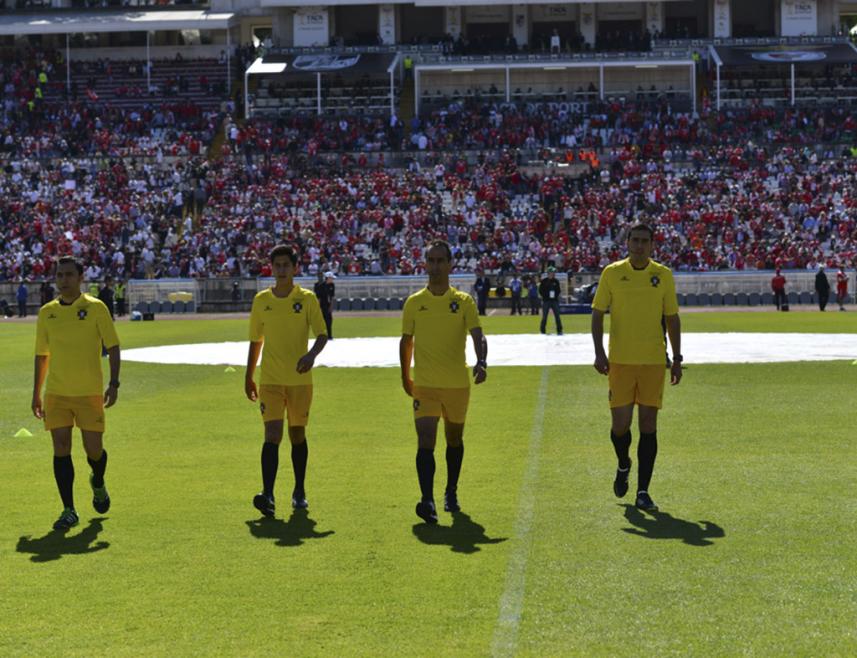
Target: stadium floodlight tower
258	68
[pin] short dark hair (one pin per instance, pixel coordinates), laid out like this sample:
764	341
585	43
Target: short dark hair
284	250
441	244
642	227
66	260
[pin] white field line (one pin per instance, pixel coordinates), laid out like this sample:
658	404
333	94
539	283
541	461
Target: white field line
512	602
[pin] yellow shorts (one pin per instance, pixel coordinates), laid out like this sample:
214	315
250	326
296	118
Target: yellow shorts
451	403
277	401
640	384
87	412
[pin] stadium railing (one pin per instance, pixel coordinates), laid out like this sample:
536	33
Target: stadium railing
160	295
745	288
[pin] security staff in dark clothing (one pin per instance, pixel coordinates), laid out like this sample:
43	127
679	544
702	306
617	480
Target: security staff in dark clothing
21	296
481	288
516	287
325	291
822	288
533	295
549	291
106	296
46	293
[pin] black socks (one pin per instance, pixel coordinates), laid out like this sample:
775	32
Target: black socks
647	450
454	456
98	468
621	444
64	475
300	452
425	472
270	462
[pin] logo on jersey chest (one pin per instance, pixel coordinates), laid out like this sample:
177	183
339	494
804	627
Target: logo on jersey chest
297	307
81	314
453	307
655	281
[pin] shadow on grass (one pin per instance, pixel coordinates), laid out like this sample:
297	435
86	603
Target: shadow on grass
660	525
287	533
463	536
57	543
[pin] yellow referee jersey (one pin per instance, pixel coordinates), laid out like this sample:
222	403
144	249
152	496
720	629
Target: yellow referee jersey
71	335
439	325
637	300
283	323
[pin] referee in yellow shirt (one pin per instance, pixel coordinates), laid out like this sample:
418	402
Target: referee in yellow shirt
70	333
435	324
281	318
638	292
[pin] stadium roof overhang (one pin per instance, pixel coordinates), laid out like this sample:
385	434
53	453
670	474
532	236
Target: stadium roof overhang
468	65
435	3
777	55
469	3
789	52
317	64
127	21
340	63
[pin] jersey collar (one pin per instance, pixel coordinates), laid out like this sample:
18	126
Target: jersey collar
449	292
289	296
634	269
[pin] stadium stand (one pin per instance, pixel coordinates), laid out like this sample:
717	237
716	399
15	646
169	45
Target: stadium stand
521	157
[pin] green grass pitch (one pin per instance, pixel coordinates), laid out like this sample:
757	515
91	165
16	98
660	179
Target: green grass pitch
753	553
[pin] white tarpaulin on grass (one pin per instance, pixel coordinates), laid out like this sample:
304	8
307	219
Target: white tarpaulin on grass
532	350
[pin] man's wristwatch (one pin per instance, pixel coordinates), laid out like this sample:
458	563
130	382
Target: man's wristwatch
678	358
114	383
482	364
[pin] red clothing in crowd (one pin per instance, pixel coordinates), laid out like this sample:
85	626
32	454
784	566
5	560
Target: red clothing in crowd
841	283
778	283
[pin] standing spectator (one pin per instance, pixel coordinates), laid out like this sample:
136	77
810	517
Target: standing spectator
515	288
236	292
778	285
549	290
822	288
106	296
533	295
119	296
200	196
555	45
481	288
841	288
325	290
21	296
46	293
